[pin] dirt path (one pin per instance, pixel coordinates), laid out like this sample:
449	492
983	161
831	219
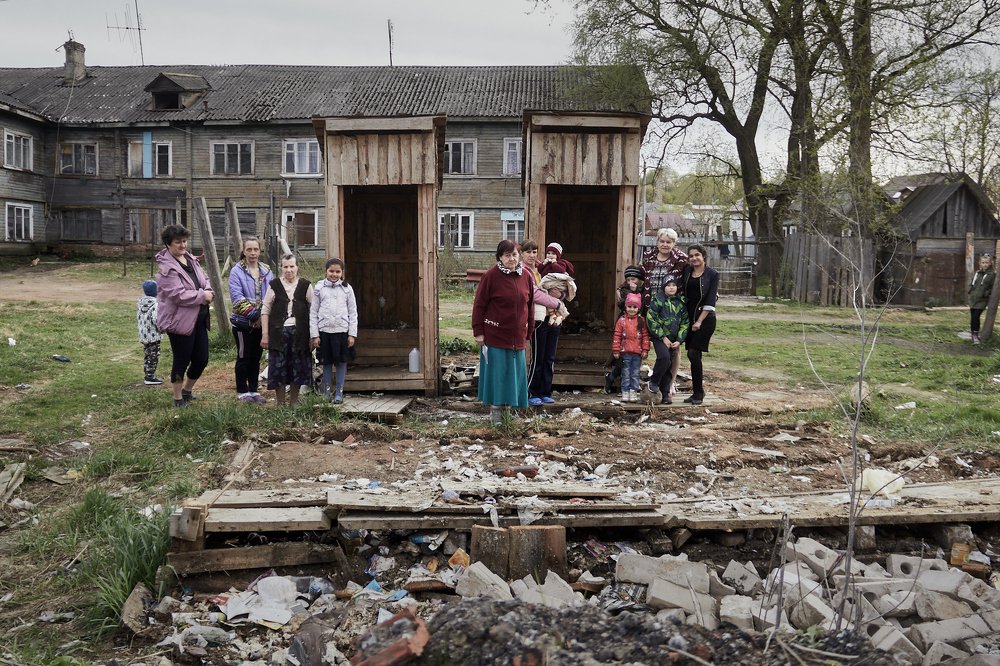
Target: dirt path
62	282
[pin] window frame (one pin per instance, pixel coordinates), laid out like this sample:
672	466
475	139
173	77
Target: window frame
237	142
60	168
13	206
472	228
130	166
285	143
287	228
519	142
28	153
475	157
520	225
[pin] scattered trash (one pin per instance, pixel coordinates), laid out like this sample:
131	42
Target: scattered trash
765	452
23	387
12	342
778	469
881	482
783	437
906	405
61	358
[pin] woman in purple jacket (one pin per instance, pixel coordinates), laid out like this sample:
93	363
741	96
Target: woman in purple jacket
182	299
247	287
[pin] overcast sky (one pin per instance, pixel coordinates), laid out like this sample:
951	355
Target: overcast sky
292	32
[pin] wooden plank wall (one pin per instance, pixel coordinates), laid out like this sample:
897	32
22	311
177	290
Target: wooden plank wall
585	158
382	159
824	270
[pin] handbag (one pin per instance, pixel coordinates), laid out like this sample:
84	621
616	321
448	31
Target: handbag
245	315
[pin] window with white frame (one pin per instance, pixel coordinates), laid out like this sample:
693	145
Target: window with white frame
512	157
455	229
512	225
301	157
159	158
232	159
78	159
16	150
19	222
460	156
301	227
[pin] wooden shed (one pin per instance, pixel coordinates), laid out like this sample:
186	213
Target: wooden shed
582	180
935	214
382	179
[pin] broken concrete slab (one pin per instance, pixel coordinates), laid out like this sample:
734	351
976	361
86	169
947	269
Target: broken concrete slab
948	534
737	610
940	652
925	634
892	640
479	581
809	610
556	587
896	604
947	582
664	593
980	594
767	618
635	568
716	587
672	615
932	606
743	577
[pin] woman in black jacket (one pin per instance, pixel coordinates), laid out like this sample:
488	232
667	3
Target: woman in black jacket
700	286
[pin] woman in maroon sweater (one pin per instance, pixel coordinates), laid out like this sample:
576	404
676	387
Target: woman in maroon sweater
500	324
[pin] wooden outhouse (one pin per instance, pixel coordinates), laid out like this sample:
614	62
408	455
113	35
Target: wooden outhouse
382	179
582	181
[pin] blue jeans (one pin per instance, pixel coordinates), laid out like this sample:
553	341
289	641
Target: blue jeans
630	372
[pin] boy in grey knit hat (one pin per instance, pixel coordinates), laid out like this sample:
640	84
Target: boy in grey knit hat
149	334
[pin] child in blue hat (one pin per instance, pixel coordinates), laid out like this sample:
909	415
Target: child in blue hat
149	334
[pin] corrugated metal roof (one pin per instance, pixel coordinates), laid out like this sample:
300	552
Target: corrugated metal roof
262	93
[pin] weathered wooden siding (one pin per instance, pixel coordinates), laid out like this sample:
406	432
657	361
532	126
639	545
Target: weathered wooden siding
26	187
591	158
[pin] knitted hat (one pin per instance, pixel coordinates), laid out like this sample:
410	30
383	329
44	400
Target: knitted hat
554	247
633	299
636	272
149	287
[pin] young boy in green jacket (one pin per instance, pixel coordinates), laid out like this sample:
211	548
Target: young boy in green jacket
667	320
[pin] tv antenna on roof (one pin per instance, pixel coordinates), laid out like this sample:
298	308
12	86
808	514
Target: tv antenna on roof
132	32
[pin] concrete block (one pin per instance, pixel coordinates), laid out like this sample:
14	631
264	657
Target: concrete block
906	566
716	587
877	587
871	619
926	634
892	640
992	618
873	571
809	610
940	652
663	593
742	577
791	581
818	557
767	618
519	587
710	622
976	660
896	604
479	581
932	606
736	610
946	582
556	587
635	568
980	594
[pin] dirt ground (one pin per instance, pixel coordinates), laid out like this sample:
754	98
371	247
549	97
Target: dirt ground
659	450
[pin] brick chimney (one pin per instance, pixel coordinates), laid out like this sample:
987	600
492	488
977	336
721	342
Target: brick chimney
75	69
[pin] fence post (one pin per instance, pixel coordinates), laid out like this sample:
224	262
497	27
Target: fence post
212	264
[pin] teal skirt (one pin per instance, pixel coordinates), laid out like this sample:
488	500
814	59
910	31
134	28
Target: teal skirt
503	377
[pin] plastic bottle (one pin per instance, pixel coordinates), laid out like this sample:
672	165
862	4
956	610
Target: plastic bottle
414	360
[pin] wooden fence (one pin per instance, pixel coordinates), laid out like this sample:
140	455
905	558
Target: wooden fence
827	270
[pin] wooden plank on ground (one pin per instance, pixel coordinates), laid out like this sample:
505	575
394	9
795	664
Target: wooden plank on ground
429	502
253	557
954	502
282	519
281	497
528	488
414	521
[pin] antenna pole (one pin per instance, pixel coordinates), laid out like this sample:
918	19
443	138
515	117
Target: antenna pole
389	26
138	28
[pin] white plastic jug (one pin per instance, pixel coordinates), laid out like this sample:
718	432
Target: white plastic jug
414	359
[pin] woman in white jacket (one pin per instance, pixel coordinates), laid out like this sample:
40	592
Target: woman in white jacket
333	326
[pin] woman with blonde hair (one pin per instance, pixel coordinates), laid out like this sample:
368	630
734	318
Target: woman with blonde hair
660	264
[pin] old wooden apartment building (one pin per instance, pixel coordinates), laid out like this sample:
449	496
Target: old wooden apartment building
103	157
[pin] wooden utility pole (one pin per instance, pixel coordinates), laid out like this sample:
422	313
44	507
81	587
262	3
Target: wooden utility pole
233	220
212	263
